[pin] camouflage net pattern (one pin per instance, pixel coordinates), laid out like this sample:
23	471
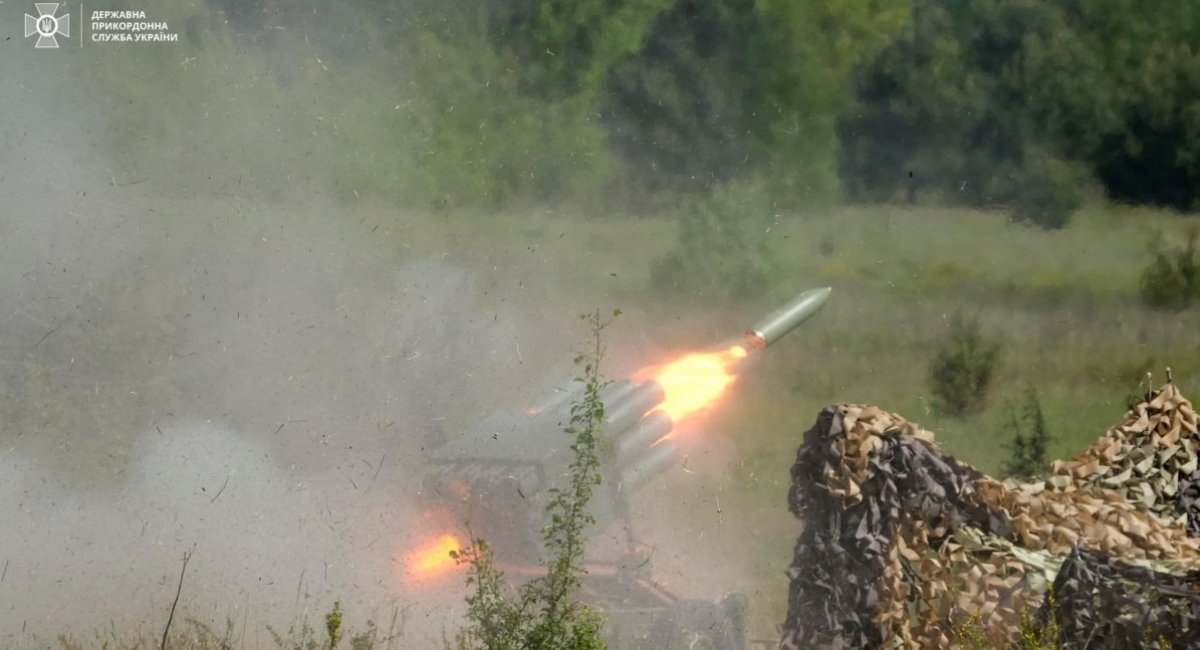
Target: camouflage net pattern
903	544
1146	458
1101	603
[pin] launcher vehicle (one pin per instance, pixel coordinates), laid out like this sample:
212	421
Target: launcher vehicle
496	477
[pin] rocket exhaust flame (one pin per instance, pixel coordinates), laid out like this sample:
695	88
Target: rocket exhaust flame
432	559
696	381
498	473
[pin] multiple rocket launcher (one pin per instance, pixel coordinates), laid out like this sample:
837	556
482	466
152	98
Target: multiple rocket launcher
496	475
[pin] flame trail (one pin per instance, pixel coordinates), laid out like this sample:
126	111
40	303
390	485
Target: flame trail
433	559
696	381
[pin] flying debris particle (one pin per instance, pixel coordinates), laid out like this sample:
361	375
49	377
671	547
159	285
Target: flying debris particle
285	423
218	494
47	335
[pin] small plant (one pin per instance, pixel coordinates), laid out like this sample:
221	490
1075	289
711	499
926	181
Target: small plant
1038	632
1030	438
367	640
960	374
333	625
298	637
1172	280
544	614
971	634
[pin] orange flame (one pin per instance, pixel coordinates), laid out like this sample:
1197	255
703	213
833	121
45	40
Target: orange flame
696	381
433	558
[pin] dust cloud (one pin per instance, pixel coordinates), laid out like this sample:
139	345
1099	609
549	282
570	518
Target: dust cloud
250	379
258	385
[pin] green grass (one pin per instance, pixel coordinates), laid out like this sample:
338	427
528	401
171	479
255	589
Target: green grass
1063	303
192	634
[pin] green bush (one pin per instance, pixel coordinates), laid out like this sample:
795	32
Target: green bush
1030	438
545	614
1172	280
723	248
1048	194
961	372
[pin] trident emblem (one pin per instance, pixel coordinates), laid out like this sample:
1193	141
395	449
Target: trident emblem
47	26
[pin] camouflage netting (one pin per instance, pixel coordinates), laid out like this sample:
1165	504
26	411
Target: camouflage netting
1145	458
1102	603
902	544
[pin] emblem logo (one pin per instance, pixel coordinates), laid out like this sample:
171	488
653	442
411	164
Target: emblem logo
46	25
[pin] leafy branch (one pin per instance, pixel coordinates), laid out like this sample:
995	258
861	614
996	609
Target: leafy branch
545	614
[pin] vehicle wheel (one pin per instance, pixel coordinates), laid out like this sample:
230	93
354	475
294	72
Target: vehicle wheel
696	625
693	640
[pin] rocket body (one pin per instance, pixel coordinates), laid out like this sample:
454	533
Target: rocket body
778	323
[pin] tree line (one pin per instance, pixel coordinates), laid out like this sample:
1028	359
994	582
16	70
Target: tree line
1021	104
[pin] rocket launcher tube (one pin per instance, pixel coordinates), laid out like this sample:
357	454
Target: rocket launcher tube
638	439
555	398
657	460
775	325
615	392
561	395
625	412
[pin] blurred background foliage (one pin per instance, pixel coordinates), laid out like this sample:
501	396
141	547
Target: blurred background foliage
925	156
1011	103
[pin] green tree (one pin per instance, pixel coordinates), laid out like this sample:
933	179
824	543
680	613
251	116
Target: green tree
941	110
545	614
724	245
1155	156
565	48
1172	280
734	90
1030	438
960	374
1003	102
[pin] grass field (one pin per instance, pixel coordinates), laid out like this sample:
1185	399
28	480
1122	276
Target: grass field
1064	306
262	186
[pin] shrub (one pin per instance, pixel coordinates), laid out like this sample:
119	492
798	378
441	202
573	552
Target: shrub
723	247
1048	193
1172	280
1030	438
545	613
961	371
333	625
